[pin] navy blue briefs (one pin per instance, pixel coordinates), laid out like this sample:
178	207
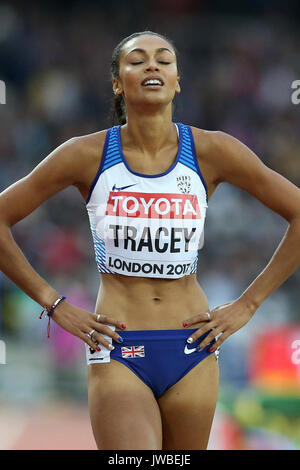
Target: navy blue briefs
160	358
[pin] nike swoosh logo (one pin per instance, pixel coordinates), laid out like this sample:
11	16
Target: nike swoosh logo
114	188
189	351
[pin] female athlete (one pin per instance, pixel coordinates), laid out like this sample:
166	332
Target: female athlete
151	343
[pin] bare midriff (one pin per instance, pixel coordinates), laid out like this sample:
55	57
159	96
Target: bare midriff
150	303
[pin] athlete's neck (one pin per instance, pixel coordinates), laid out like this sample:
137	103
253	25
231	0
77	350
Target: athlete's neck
149	134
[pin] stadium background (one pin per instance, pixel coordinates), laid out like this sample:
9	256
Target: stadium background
238	64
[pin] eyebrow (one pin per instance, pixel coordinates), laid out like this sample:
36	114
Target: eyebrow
160	49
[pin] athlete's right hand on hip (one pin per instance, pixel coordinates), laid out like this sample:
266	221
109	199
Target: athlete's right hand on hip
90	327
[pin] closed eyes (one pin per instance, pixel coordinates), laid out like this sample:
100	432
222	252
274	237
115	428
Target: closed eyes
159	61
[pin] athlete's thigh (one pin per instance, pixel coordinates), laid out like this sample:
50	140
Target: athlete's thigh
124	412
187	408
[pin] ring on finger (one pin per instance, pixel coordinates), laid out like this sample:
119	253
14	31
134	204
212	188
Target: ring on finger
98	317
90	334
218	335
208	316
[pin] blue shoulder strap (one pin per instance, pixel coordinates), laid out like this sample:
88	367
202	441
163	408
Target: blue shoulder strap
110	156
188	155
111	153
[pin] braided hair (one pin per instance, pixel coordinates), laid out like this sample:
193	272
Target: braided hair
118	108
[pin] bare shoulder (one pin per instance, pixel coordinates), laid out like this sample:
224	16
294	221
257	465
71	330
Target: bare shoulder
205	141
225	156
74	162
80	158
89	141
206	145
86	151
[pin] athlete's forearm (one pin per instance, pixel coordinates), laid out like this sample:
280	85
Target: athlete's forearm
16	267
283	263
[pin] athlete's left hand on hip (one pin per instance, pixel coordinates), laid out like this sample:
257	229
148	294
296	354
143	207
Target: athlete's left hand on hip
224	320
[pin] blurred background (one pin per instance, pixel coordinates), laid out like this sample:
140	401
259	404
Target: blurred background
238	61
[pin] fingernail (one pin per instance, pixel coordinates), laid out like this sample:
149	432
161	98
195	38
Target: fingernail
120	339
189	340
98	349
123	325
111	347
211	349
185	324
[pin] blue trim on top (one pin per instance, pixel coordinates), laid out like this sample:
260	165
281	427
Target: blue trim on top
196	160
100	253
142	175
187	157
194	266
100	166
112	156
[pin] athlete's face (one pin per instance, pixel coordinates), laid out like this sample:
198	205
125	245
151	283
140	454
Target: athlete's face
141	59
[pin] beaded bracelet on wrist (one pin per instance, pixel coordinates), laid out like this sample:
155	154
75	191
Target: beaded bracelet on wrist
50	311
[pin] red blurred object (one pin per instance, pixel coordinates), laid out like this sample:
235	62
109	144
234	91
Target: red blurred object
274	360
226	433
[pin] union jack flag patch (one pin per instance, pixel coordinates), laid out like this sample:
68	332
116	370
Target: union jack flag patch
133	351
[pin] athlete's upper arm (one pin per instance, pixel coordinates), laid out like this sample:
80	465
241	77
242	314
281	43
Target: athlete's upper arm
61	168
235	163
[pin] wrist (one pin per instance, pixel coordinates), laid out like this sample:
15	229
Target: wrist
249	303
51	310
55	304
48	298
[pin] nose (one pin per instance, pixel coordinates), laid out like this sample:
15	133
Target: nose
152	65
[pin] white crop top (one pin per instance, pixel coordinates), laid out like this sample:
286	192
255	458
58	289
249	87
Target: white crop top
148	225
